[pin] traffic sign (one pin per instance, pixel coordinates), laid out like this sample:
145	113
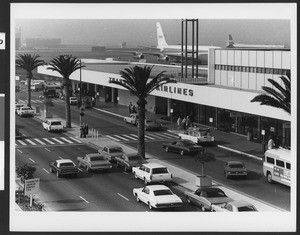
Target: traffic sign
32	186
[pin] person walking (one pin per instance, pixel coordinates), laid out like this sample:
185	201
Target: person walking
179	122
271	143
188	122
133	109
130	108
183	123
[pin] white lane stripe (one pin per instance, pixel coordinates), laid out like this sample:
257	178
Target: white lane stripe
50	142
19	150
31	142
147	136
48	150
123	197
118	136
22	101
75	140
108	136
21	142
160	135
134	135
84	199
174	136
58	141
63	138
33	101
39	101
46	170
130	137
39	141
60	157
31	159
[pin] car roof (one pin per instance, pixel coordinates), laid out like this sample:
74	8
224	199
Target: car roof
240	203
206	189
153	165
93	154
235	162
282	153
112	146
157	187
64	160
53	120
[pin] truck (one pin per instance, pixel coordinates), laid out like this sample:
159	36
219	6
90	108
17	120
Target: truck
197	135
63	167
25	111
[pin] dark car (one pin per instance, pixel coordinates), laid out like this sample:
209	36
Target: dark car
182	147
235	168
129	160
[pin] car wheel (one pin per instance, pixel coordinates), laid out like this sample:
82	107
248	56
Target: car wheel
57	174
181	152
202	208
149	205
188	199
269	178
137	198
145	181
167	149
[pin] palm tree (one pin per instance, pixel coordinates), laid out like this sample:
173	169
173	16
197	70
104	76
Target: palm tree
280	98
29	62
65	65
137	80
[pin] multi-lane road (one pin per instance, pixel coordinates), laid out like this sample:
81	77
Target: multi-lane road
112	191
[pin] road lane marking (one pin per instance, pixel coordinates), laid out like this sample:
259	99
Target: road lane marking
41	142
174	136
19	150
118	136
80	169
130	137
63	138
48	150
21	142
33	101
46	170
134	135
149	137
160	135
60	157
31	160
123	197
30	141
84	199
58	141
75	140
108	136
50	142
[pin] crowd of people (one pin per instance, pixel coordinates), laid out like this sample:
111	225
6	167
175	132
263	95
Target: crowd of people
184	123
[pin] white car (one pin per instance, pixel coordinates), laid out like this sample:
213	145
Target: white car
52	125
25	111
132	119
157	196
234	206
152	172
18	106
197	135
110	152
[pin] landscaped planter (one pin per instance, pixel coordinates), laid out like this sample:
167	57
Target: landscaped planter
203	181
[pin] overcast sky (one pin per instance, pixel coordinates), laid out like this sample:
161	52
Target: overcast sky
111	32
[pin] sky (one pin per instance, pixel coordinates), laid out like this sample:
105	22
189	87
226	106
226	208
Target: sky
137	32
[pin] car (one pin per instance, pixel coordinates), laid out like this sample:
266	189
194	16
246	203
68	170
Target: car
152	124
25	111
205	197
197	135
93	162
157	196
129	160
53	125
111	151
235	168
63	167
73	100
234	206
152	172
183	147
18	106
18	134
132	119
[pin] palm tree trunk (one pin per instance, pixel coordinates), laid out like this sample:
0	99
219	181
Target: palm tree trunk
67	109
29	77
141	129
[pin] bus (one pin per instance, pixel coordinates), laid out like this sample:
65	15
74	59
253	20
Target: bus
277	166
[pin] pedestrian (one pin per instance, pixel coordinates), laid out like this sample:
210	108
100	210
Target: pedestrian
81	131
179	122
271	143
133	109
130	108
86	129
183	123
93	101
188	122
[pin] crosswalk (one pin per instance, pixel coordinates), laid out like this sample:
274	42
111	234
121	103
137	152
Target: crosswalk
46	141
41	101
148	136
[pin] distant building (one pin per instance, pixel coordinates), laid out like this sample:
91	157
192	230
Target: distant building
43	43
98	48
18	38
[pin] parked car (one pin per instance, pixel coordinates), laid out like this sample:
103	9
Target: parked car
93	162
205	197
18	106
111	151
63	167
52	125
157	196
234	206
73	100
129	160
152	172
132	119
182	147
25	111
152	124
235	168
197	135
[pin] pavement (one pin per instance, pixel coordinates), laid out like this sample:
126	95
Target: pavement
182	178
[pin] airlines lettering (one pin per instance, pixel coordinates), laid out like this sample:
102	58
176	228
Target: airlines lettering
176	90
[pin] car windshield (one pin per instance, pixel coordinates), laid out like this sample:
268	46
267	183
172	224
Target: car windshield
134	158
160	170
116	150
187	143
162	192
215	193
67	164
150	120
55	123
96	158
26	108
246	208
236	165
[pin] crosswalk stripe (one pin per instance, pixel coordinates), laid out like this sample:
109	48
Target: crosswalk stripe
50	142
112	138
70	142
41	142
75	140
161	135
21	142
39	101
147	136
33	101
120	137
58	141
130	137
134	135
30	141
172	135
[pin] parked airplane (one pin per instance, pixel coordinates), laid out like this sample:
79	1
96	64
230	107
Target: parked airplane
164	51
231	44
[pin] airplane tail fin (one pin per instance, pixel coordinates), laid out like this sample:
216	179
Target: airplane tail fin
230	42
161	41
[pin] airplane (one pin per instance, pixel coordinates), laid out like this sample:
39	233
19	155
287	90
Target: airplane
164	51
231	44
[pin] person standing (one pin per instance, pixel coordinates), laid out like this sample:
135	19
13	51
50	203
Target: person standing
271	143
183	123
130	108
179	122
188	122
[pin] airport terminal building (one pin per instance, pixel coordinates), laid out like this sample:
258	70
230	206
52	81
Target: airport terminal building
219	97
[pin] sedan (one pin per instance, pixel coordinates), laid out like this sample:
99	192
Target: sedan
157	196
129	160
235	206
93	162
182	147
152	124
235	168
